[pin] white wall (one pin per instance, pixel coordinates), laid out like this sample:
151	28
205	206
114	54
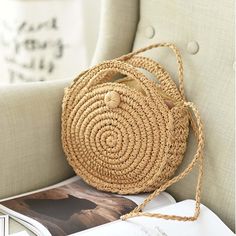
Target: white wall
46	39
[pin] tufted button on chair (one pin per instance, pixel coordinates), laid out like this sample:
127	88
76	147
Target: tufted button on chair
31	154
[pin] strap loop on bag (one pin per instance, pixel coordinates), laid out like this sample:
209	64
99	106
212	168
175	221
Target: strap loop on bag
161	75
177	54
198	157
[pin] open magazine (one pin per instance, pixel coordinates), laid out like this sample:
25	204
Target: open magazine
75	208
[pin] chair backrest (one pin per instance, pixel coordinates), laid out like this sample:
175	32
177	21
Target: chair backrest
204	33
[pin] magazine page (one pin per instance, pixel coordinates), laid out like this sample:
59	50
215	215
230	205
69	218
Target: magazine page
73	207
207	224
4	225
22	233
33	227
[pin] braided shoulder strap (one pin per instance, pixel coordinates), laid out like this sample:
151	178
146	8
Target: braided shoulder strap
197	126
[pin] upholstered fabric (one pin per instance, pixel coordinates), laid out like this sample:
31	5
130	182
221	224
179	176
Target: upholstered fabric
31	155
204	32
209	82
117	29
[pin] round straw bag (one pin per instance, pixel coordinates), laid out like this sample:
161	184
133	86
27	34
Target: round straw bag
129	135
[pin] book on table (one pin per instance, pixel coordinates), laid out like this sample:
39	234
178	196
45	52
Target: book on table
74	208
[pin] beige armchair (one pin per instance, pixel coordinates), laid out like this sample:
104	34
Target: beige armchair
31	154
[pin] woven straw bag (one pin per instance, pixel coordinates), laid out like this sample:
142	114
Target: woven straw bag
129	135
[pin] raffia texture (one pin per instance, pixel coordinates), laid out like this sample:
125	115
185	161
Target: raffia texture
129	135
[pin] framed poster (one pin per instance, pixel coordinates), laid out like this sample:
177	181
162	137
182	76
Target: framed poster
4	225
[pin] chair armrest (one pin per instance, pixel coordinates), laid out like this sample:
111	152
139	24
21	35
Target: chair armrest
31	154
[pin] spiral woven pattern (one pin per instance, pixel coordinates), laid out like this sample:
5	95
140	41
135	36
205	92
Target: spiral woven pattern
126	136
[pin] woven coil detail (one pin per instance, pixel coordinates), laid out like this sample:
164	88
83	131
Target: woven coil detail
127	135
